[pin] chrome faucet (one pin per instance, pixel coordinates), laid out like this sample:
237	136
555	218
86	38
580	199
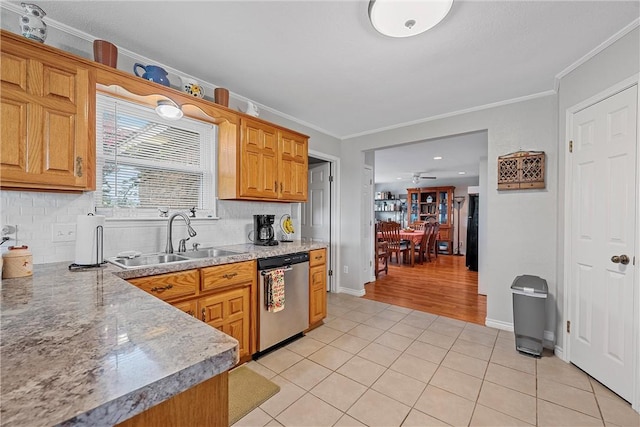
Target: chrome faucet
190	230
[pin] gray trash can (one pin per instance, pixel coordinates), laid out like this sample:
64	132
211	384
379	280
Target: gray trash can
529	298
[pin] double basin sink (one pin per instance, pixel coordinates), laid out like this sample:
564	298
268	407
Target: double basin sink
151	260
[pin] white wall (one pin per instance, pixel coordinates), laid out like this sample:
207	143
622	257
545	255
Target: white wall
521	224
613	65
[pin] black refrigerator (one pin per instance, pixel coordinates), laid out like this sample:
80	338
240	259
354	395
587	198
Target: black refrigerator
472	233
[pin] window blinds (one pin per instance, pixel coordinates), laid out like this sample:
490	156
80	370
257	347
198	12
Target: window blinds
144	161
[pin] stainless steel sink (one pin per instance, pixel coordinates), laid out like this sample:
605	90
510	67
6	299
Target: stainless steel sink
207	253
147	260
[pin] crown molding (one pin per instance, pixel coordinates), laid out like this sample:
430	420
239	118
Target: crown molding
454	113
602	46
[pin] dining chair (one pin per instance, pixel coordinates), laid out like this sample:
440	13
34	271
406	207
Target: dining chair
432	244
382	258
420	249
391	234
418	225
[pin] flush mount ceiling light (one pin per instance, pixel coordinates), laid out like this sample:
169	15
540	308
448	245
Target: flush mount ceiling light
169	110
405	18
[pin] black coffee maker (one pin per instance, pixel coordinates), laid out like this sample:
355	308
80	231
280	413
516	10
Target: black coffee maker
263	230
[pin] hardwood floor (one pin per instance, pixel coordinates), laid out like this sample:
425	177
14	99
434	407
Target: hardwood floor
443	286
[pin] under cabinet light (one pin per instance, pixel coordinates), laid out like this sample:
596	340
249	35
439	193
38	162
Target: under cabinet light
169	110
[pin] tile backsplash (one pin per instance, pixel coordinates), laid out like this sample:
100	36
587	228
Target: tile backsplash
35	214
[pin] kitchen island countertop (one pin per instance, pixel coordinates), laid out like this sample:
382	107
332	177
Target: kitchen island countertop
87	348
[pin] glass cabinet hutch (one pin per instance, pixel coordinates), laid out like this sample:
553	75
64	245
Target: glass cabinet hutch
433	204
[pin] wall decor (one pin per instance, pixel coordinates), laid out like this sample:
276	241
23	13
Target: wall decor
153	73
193	88
521	170
105	53
31	23
221	96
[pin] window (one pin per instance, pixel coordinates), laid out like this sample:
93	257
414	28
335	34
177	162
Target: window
145	162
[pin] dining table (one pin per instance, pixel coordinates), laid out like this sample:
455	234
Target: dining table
413	237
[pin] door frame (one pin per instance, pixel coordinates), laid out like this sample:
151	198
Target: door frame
334	196
568	215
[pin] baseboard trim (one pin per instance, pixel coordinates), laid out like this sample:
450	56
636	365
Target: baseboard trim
547	336
498	324
559	352
354	292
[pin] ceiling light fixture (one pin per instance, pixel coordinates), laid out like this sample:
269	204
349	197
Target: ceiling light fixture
169	110
437	158
462	173
405	18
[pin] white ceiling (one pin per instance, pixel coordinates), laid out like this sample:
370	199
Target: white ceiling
322	62
460	153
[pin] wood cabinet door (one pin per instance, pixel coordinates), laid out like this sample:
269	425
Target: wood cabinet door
259	161
47	111
294	166
190	307
317	294
229	311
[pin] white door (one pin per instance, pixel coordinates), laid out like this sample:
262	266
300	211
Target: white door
316	213
366	229
603	205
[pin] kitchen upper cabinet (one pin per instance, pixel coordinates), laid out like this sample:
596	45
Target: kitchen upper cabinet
293	166
259	160
317	287
47	109
268	163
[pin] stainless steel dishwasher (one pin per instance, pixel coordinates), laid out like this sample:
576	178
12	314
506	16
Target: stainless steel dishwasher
294	318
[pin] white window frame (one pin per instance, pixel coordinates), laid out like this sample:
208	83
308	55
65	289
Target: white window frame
208	140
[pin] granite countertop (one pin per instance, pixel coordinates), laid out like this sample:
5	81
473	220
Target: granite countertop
245	252
87	348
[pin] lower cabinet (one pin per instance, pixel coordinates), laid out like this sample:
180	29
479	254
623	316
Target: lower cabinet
189	307
317	287
230	312
223	296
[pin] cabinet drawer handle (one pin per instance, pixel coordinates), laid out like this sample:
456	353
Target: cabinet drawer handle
79	166
318	257
230	275
161	288
203	315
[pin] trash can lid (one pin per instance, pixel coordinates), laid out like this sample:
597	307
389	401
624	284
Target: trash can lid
530	284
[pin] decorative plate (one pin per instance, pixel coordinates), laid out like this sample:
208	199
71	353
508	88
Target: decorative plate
193	88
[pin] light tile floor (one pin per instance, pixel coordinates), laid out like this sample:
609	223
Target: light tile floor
376	364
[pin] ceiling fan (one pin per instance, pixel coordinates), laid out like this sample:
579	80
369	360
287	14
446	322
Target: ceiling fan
417	176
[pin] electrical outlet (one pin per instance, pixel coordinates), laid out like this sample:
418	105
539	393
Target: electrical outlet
63	233
346	269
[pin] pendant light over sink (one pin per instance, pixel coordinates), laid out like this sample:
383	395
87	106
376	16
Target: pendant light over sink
405	18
